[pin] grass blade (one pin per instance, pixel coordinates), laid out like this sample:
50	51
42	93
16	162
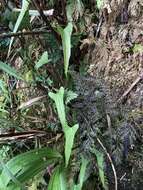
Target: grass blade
25	5
9	70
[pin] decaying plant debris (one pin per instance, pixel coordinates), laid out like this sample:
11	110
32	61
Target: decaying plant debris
116	60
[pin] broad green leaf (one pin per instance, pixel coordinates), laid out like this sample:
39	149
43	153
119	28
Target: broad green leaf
69	132
57	180
100	163
59	101
42	61
25	5
66	42
9	70
13	187
13	178
69	137
99	3
70	95
27	165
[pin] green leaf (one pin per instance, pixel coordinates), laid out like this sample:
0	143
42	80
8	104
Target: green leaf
28	76
69	132
25	5
66	42
82	171
25	166
100	162
70	95
69	136
99	3
42	61
9	70
8	172
57	180
138	48
59	101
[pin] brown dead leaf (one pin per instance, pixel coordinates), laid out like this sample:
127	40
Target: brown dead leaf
30	102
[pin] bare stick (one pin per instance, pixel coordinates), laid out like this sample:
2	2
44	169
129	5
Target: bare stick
36	13
131	87
112	165
9	35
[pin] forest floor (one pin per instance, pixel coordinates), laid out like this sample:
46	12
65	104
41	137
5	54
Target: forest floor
117	58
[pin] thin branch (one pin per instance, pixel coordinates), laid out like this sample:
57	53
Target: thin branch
137	80
36	13
9	35
110	159
99	26
24	135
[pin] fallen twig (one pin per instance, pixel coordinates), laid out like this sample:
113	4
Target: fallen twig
21	135
27	135
131	87
110	159
99	26
36	13
9	35
31	102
